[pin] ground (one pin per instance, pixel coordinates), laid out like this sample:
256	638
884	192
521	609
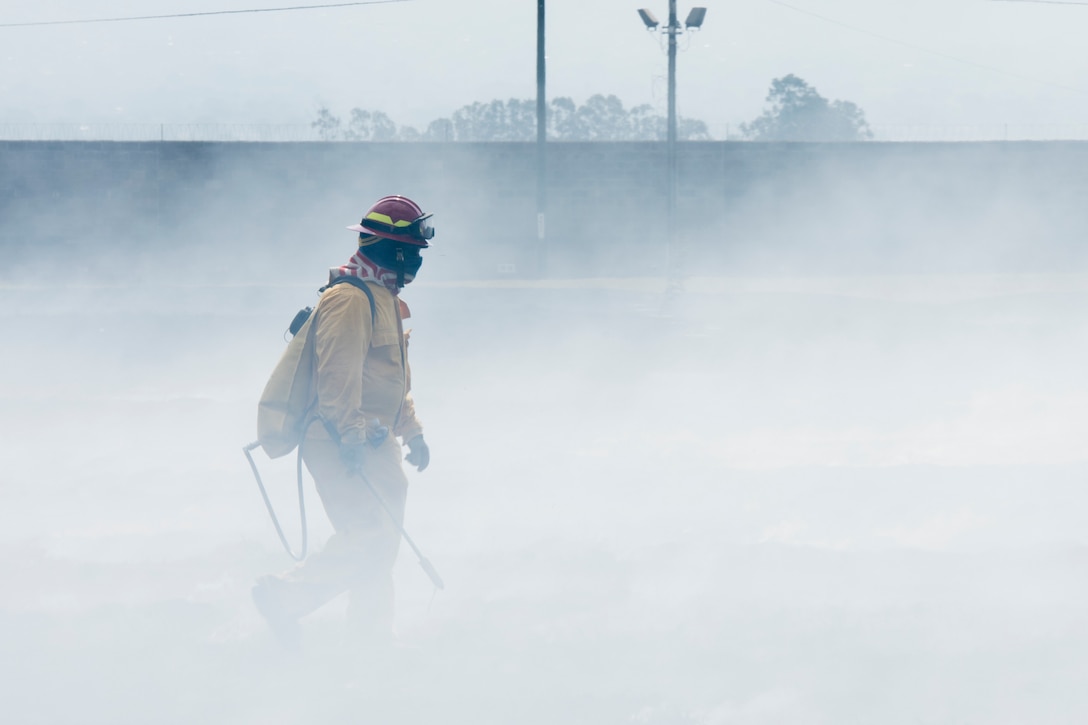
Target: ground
769	500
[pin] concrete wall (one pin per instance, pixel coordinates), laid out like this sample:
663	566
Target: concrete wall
232	208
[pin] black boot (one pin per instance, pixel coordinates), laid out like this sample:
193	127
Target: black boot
268	597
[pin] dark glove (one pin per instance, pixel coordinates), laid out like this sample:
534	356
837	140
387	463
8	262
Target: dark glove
419	455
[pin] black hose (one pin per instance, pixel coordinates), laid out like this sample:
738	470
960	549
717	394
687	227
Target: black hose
424	562
268	503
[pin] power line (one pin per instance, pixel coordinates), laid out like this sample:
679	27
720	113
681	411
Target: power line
1041	2
939	54
193	15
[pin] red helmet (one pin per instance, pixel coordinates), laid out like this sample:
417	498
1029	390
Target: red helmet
399	218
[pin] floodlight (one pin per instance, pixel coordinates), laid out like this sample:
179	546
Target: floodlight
695	18
648	18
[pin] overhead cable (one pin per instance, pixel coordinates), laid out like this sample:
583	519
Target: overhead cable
937	53
193	15
1041	2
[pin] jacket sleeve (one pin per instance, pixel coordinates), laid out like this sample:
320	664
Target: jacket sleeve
341	341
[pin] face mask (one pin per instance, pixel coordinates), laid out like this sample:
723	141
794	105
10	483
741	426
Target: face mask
404	259
410	263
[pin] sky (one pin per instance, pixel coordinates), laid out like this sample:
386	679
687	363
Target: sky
924	62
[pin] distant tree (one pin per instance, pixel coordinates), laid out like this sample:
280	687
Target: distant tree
690	129
798	113
603	118
440	129
561	118
370	126
409	133
645	125
512	120
600	118
327	125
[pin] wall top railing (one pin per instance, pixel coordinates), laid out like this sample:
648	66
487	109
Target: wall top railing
267	133
290	133
943	133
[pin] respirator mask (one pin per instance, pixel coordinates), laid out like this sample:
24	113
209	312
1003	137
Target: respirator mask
400	257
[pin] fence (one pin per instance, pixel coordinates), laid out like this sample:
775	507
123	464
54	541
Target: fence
987	132
267	133
285	133
949	133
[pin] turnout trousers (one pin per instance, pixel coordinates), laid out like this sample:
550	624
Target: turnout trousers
359	556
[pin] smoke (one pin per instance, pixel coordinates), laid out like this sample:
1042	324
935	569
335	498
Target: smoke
837	479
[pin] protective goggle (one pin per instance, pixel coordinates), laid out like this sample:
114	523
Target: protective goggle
424	226
421	227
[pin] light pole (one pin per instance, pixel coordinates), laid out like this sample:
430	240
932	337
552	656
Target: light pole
541	140
693	22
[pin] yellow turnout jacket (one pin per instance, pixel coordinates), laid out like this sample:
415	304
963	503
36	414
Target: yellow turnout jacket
361	369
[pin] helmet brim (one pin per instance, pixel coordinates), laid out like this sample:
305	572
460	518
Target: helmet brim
407	239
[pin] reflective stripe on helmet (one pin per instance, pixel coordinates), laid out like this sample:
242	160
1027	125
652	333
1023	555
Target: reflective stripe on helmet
377	216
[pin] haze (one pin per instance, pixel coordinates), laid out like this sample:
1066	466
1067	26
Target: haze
932	62
835	475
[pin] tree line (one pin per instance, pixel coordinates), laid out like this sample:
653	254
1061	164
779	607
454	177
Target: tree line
795	112
600	118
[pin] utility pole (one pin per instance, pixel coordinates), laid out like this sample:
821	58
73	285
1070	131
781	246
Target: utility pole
673	29
541	143
672	263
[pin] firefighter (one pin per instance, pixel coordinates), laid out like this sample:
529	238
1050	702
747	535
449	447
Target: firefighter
364	409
